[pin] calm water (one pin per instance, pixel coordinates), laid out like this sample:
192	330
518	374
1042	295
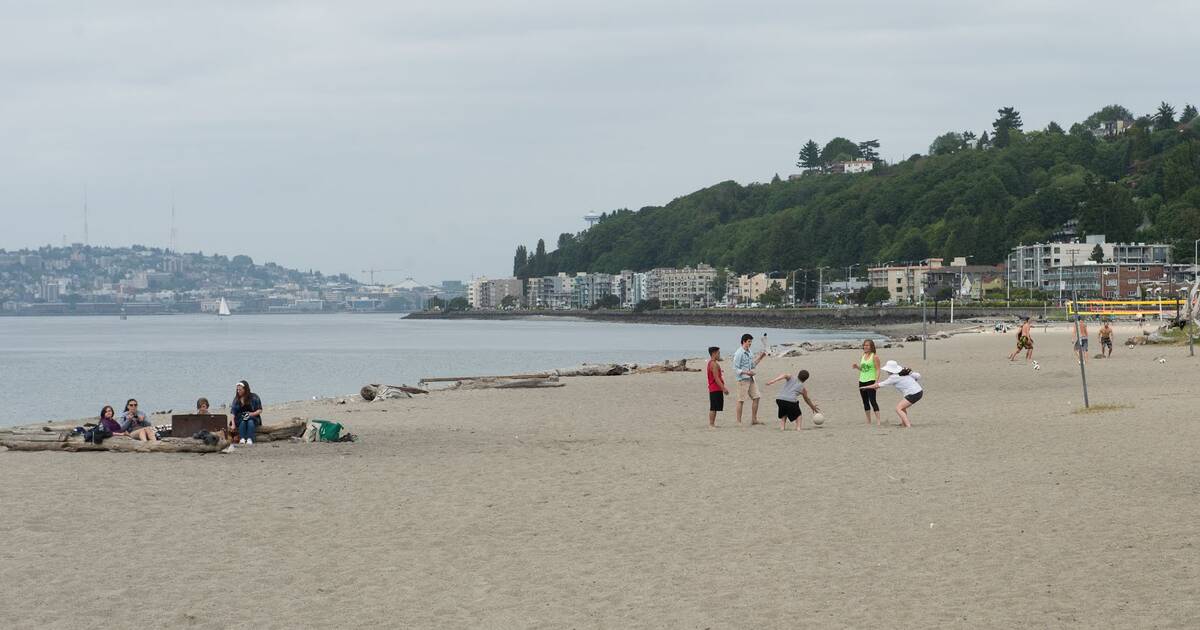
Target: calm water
69	367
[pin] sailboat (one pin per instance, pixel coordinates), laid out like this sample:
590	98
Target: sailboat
223	309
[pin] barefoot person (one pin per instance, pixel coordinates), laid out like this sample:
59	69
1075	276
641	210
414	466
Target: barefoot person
905	380
1024	340
743	369
134	423
1106	340
788	398
1081	339
868	372
717	391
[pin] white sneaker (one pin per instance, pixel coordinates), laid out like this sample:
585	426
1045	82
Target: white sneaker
249	442
242	441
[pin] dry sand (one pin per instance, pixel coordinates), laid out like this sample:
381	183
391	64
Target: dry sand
608	504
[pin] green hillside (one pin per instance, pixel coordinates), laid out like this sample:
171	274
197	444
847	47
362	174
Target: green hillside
967	198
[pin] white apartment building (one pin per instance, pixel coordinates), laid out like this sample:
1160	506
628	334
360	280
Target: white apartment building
682	287
1039	266
489	293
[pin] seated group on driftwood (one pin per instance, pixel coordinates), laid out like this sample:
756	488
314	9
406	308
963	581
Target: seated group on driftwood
246	416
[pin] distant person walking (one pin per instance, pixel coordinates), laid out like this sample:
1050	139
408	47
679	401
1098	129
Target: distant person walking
743	369
1106	332
1081	339
1024	340
868	372
717	391
904	380
247	412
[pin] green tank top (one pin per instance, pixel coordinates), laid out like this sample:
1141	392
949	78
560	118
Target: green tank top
866	368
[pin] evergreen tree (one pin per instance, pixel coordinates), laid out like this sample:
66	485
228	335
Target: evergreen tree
810	155
983	142
867	150
520	261
1008	122
1097	254
1053	127
839	149
1164	118
1188	114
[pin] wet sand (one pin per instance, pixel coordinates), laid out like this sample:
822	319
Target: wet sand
608	504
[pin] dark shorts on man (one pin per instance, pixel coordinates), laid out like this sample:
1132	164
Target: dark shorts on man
1106	342
716	401
789	409
913	398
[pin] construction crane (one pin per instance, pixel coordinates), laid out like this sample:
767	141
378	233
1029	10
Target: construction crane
372	272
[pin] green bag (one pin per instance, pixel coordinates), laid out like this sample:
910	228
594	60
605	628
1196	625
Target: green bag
330	431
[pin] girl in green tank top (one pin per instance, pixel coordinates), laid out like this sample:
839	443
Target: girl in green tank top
868	372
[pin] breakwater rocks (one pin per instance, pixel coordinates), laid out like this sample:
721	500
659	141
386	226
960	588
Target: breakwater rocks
856	318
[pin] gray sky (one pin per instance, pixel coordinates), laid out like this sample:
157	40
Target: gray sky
434	137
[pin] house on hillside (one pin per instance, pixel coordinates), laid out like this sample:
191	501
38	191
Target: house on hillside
1112	128
851	166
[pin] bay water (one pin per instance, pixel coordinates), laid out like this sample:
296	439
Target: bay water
54	368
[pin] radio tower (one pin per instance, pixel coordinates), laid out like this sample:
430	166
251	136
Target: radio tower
174	234
85	210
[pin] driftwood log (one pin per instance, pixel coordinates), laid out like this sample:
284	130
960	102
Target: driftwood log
667	366
451	379
41	439
375	391
502	383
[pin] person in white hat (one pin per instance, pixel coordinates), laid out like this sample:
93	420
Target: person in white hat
904	380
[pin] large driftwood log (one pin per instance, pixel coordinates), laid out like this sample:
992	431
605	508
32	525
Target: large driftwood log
608	369
119	443
497	383
37	439
451	379
375	391
667	366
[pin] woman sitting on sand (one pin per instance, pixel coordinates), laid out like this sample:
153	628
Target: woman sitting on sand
247	412
134	423
904	380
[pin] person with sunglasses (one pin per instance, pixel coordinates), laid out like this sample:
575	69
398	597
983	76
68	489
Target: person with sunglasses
134	423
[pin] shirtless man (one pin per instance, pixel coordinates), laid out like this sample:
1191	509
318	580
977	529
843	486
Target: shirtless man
1106	340
1024	341
1081	340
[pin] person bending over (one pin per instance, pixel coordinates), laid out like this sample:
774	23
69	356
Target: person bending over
788	398
905	380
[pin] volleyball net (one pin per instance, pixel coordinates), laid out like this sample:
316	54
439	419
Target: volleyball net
1125	307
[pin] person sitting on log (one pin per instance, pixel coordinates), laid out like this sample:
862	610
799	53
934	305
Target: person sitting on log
246	411
134	423
108	422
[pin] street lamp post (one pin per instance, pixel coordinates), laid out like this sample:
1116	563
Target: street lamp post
820	286
1075	307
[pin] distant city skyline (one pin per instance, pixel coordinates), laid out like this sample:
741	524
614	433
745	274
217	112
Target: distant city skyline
434	140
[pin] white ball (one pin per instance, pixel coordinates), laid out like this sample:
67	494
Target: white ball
818	419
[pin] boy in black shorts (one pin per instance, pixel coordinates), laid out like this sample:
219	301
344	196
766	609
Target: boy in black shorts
788	398
717	391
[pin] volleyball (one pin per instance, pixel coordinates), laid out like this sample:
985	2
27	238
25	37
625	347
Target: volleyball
1036	366
818	419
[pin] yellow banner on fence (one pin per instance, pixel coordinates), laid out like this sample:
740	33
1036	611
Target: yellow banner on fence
1123	307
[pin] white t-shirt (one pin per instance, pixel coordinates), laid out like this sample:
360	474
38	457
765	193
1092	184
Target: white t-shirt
791	390
906	384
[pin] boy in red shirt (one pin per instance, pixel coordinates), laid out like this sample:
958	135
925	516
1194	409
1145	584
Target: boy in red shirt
716	386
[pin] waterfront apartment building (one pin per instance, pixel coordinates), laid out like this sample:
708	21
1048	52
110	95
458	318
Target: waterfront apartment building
1043	265
905	282
487	293
751	287
686	287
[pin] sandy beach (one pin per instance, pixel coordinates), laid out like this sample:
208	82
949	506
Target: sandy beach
607	503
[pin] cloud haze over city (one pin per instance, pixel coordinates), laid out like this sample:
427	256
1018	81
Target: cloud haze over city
433	138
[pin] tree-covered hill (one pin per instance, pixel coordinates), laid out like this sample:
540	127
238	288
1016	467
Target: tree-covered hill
967	198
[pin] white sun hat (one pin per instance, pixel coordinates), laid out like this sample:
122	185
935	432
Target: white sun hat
892	367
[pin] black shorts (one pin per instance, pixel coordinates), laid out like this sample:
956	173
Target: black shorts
789	409
1106	342
913	398
716	401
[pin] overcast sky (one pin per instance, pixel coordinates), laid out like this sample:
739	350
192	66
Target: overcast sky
434	137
